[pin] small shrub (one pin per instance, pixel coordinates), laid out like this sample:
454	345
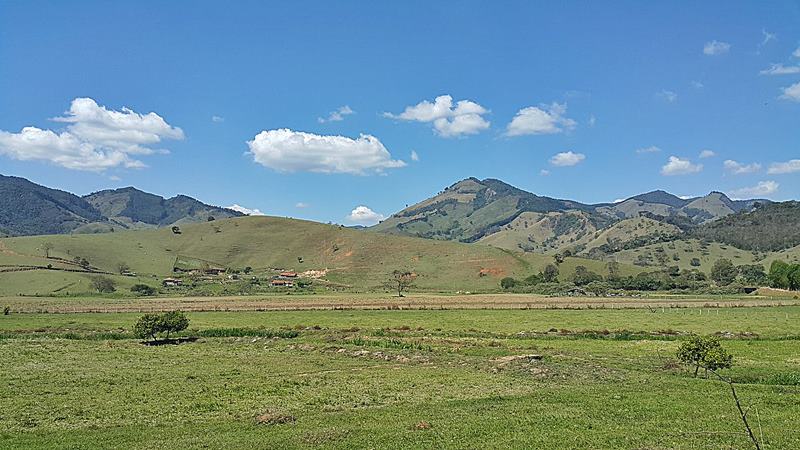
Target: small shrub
143	289
6	310
104	285
705	352
508	283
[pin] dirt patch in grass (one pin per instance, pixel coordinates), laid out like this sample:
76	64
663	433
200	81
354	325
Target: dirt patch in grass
274	417
421	425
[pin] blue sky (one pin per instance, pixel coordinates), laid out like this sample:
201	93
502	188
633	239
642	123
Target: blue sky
554	98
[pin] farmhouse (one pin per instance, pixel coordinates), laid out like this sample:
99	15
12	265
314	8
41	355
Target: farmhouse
282	283
288	274
214	271
171	282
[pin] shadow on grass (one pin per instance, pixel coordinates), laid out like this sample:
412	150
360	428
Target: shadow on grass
173	341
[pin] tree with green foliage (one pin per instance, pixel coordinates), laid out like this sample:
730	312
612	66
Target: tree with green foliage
104	285
783	275
123	268
174	322
695	262
143	289
508	283
150	325
704	352
752	273
534	279
723	272
550	273
584	276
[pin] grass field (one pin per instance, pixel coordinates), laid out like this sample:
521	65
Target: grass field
398	379
357	260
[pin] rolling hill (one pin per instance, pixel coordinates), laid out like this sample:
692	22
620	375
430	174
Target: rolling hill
495	213
28	208
358	260
31	209
770	227
132	209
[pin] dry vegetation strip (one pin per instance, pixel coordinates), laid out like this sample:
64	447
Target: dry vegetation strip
377	301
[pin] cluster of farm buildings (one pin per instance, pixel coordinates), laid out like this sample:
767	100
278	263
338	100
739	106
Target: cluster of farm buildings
284	278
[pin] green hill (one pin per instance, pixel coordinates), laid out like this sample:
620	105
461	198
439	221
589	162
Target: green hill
132	208
495	213
770	227
359	260
28	208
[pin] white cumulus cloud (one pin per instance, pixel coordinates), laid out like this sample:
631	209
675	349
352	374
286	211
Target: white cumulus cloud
707	154
780	69
678	166
301	205
780	168
246	211
791	93
716	48
796	53
414	155
762	189
217	119
286	150
363	215
738	168
545	119
463	118
95	138
566	159
338	115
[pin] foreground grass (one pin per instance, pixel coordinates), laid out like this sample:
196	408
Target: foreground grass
397	379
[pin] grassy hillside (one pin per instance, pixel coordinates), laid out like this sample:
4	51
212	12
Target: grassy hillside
361	260
681	252
28	208
771	227
543	232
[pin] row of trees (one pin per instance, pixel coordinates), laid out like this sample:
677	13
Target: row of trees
723	274
784	275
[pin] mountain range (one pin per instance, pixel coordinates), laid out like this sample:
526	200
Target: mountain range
493	212
27	208
485	211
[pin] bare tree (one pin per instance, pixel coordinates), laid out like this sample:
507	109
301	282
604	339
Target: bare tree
401	280
742	412
47	246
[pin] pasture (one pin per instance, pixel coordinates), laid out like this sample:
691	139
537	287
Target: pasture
455	378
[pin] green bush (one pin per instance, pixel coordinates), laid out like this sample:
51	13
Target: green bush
104	285
150	325
705	352
724	272
143	289
508	283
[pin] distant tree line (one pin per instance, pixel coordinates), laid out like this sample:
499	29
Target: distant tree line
784	275
723	274
769	227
